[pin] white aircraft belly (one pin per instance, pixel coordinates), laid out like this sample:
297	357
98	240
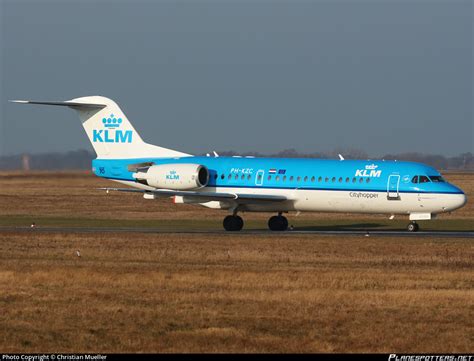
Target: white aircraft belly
336	201
370	202
346	201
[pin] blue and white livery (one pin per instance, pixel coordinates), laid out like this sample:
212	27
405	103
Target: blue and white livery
248	184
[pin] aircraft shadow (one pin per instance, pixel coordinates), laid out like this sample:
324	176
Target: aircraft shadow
345	227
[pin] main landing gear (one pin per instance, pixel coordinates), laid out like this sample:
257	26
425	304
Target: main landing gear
233	223
412	227
278	223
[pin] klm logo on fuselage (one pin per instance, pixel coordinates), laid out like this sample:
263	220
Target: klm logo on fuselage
111	133
369	171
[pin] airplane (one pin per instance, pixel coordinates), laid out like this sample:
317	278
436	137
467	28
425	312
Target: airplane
249	184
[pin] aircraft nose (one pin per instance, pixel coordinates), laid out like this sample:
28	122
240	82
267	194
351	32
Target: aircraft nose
457	201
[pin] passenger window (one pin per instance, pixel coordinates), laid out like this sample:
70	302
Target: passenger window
347	180
326	179
340	179
298	179
243	177
333	179
229	177
291	178
222	176
269	177
249	177
313	179
236	177
424	179
361	180
414	179
367	180
277	178
320	179
306	178
259	177
354	180
284	178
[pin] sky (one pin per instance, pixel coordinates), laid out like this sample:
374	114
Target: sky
386	76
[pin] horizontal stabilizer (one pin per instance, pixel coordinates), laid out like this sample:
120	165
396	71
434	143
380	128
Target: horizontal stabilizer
64	104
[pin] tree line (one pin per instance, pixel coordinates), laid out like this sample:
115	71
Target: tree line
81	159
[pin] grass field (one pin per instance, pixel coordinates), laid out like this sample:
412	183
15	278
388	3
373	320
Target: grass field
221	292
72	199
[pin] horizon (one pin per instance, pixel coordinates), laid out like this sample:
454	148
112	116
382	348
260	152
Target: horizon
82	159
230	152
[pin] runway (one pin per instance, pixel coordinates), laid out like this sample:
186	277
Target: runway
289	233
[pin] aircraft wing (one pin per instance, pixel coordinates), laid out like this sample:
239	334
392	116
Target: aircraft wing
206	196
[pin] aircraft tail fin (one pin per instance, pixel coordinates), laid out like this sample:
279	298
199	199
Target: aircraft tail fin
109	131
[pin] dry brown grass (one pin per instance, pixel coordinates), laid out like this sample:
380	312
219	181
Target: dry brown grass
74	194
217	293
234	293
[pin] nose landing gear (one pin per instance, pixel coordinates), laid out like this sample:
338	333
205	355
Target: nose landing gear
412	227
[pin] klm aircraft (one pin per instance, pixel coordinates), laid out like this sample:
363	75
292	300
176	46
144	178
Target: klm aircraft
248	184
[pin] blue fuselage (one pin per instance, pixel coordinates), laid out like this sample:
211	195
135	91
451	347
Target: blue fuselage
304	174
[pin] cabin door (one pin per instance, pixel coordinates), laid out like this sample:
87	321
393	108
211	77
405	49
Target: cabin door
392	187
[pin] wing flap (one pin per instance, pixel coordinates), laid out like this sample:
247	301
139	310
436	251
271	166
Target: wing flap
239	198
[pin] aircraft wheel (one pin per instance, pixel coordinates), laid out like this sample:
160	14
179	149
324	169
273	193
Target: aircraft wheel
240	223
412	227
278	223
283	223
233	223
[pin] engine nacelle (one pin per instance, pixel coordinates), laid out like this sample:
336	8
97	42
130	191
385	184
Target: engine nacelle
174	176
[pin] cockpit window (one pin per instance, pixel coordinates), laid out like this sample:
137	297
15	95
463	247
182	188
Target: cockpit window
437	179
424	179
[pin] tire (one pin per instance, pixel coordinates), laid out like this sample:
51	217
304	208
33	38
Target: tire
239	223
273	223
233	223
278	223
412	227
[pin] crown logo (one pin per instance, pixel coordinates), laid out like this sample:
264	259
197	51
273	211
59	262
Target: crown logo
371	166
112	122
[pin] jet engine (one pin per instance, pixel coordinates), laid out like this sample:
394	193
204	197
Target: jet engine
174	176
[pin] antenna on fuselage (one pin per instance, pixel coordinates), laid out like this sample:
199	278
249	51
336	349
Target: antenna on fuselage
341	157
